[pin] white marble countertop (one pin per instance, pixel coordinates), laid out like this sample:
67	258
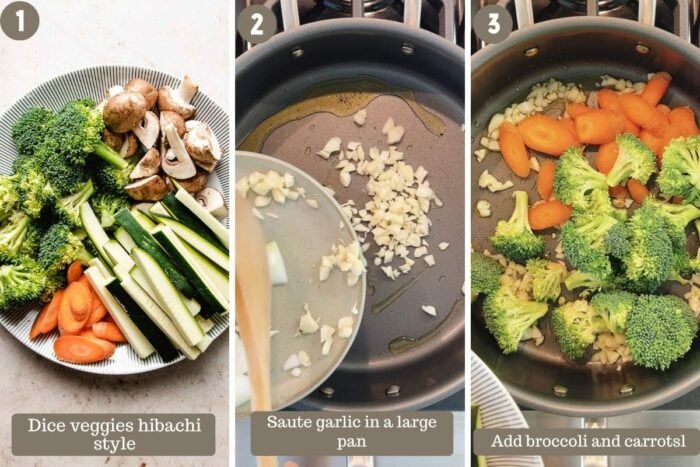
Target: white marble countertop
174	36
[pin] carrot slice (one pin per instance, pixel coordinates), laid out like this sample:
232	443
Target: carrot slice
548	214
108	331
75	271
599	126
80	298
618	191
670	133
47	320
656	87
684	117
610	100
107	346
664	109
653	142
68	321
99	311
545	179
570	125
638	191
76	349
547	135
576	108
606	157
643	113
513	150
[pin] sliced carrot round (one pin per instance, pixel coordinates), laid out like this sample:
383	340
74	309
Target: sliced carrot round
108	331
606	157
599	126
656	87
638	191
75	271
76	349
548	214
545	179
47	319
547	135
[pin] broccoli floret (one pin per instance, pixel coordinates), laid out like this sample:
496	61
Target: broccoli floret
110	179
33	186
650	260
680	169
509	318
64	177
8	196
579	279
546	279
78	133
634	160
660	330
575	179
614	307
514	238
59	247
485	274
55	281
68	207
30	130
617	241
18	236
21	281
575	324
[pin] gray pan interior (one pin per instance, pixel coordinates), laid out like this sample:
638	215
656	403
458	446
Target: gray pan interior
269	79
572	50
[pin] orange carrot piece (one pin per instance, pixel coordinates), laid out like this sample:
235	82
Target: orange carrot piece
576	108
570	125
610	100
664	109
653	142
76	349
548	214
547	135
99	311
599	126
545	179
108	331
75	271
107	346
618	191
513	150
68	322
80	298
656	87
670	133
684	117
638	191
606	157
642	113
47	319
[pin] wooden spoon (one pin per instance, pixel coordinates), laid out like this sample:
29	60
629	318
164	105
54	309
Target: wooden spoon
253	308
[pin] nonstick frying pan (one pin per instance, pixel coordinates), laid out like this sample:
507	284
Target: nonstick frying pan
577	50
407	73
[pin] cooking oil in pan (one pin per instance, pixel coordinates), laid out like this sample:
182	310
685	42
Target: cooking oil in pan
341	98
386	303
404	343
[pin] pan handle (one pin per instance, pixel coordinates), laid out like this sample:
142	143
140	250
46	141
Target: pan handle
591	460
412	12
290	14
360	461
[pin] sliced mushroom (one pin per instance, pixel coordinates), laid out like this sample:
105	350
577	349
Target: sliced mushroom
112	140
177	163
129	147
124	111
213	201
208	166
114	90
202	145
148	129
196	183
152	188
178	100
174	118
169	184
147	166
144	88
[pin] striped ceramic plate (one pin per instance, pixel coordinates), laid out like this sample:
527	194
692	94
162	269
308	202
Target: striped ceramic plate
498	410
93	82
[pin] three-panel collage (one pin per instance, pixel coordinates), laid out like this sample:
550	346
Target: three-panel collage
349	233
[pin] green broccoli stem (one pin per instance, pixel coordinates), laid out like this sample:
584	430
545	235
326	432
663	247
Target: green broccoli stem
619	173
681	214
110	156
578	279
519	216
84	256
